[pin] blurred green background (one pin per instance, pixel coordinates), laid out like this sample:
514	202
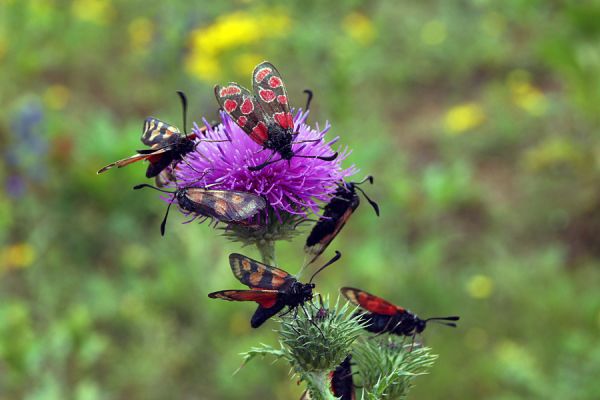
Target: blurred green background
479	120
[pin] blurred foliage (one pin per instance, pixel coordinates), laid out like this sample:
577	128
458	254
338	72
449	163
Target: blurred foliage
478	119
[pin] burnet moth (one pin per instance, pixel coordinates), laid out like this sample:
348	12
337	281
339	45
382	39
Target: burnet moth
385	317
265	115
272	288
341	382
335	215
229	206
167	146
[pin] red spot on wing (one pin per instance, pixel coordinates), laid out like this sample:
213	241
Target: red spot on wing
274	81
282	99
241	121
260	133
247	106
262	73
229	91
230	105
285	120
377	305
267	95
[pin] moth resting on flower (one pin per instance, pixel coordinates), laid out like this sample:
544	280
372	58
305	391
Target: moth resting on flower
265	115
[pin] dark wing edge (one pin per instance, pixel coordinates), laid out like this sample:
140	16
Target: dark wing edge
255	274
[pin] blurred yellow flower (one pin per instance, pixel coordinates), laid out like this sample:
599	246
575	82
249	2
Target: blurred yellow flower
359	27
56	97
525	95
229	32
19	255
96	11
554	151
480	286
140	30
464	117
434	33
246	62
205	68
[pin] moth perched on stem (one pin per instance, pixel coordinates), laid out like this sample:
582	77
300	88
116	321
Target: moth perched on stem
385	317
272	288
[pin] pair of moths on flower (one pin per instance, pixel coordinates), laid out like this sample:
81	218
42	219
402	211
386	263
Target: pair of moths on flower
265	118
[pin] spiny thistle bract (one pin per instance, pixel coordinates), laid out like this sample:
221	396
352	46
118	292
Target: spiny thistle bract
387	366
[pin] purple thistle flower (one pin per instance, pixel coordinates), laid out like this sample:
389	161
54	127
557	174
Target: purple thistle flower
295	187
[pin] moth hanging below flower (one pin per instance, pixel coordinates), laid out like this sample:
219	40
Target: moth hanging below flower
335	215
385	317
264	116
167	146
272	288
341	382
228	206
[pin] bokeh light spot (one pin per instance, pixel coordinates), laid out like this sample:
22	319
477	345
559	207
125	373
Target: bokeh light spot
480	286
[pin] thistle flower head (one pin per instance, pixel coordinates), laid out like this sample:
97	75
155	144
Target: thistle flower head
290	187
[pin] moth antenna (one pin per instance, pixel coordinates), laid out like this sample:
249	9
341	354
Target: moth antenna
439	320
337	256
261	166
371	202
163	224
143	185
184	109
367	178
324	158
309	97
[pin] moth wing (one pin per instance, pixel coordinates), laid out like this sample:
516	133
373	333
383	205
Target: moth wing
264	313
126	161
255	274
271	94
156	133
265	298
165	177
226	205
244	110
324	231
370	302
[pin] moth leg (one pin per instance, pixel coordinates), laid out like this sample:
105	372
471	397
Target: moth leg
312	321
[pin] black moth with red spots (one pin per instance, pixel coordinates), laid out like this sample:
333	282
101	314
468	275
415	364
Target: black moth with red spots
265	115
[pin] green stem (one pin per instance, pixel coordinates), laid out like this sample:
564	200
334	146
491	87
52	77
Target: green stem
267	251
318	385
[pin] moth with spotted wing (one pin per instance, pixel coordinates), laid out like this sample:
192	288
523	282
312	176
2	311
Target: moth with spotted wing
385	317
335	215
167	147
272	288
264	115
229	206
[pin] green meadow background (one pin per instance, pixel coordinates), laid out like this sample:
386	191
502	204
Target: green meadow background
479	120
